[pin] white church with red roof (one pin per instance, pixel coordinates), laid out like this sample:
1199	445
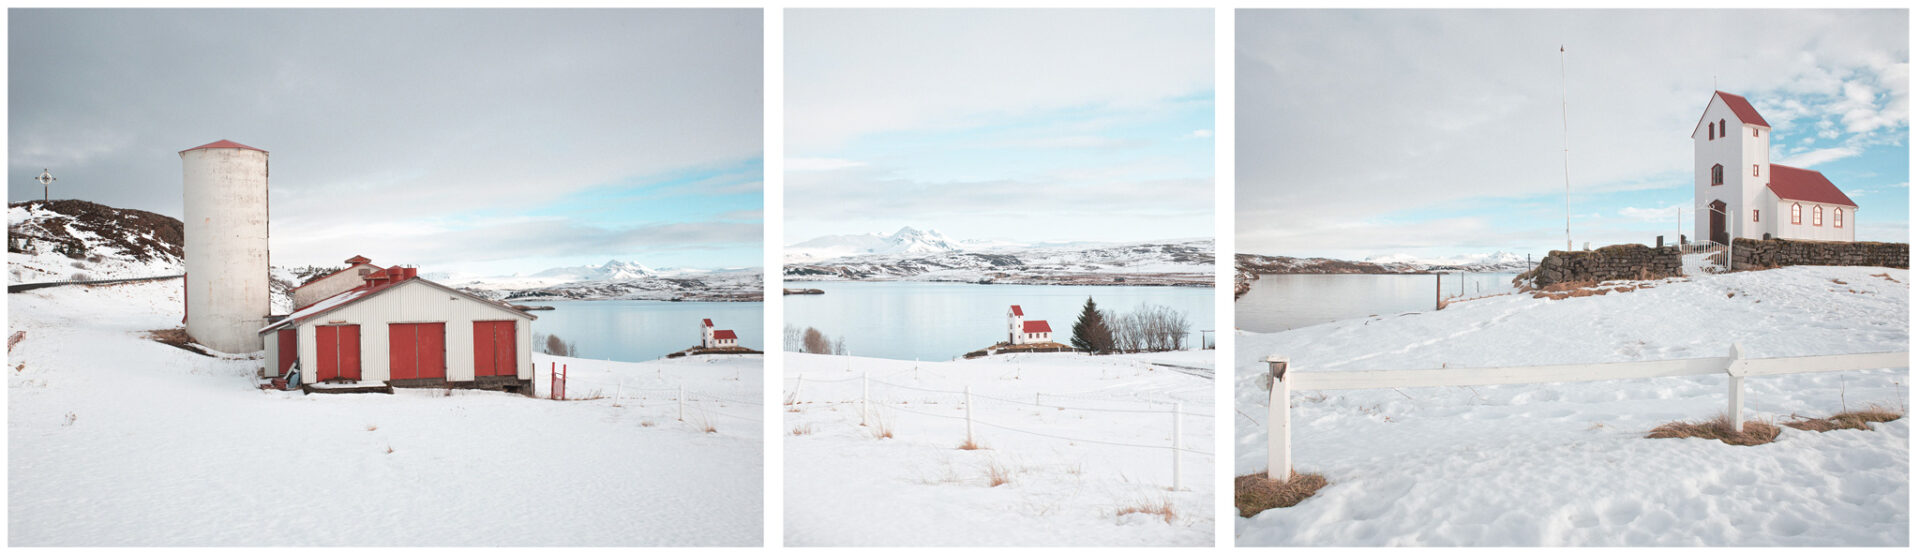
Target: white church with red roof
1021	331
1739	193
711	338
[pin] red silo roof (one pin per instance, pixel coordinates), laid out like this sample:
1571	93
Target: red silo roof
723	335
1806	185
1016	311
1036	326
223	144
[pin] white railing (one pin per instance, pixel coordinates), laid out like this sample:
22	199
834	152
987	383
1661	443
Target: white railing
1176	413
1736	365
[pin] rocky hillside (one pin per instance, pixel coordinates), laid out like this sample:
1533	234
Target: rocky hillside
82	240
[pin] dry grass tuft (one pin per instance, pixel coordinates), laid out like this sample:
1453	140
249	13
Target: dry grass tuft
998	475
1754	432
971	445
648	423
372	427
882	428
1254	493
176	337
389	450
803	429
1161	508
1856	419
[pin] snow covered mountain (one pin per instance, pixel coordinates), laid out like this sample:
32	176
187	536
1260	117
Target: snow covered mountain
613	269
1186	263
1499	261
907	240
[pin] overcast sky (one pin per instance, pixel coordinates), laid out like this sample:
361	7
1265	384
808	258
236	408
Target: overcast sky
1017	124
477	141
1438	133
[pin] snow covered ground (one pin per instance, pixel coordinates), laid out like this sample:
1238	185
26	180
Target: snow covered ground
1566	464
118	440
1066	484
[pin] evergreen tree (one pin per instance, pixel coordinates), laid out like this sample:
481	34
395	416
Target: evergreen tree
1090	332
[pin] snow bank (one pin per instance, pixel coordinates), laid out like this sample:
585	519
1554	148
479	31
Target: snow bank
1566	464
1097	442
118	440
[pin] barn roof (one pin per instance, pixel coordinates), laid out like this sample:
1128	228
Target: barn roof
724	335
1035	326
363	293
1806	185
1016	311
1741	110
223	144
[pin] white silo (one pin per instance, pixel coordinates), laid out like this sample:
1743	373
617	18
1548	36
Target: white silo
225	219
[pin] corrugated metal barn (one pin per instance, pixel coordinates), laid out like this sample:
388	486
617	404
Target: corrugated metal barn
408	332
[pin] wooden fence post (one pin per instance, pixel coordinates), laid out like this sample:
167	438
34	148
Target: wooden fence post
1736	388
1178	444
969	404
1279	427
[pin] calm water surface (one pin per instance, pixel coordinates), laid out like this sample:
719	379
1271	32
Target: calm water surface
643	330
941	321
1286	302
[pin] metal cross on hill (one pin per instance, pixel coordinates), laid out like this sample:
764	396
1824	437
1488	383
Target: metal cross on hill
45	179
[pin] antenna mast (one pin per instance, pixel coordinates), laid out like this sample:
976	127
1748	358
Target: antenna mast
1565	164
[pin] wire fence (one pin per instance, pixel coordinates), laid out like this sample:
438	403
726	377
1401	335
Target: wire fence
1175	413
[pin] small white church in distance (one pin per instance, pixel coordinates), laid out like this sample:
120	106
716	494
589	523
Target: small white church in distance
1738	193
1021	331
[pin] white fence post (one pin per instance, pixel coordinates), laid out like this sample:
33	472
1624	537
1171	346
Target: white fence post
863	399
1178	444
1279	428
1036	399
969	404
1736	388
680	399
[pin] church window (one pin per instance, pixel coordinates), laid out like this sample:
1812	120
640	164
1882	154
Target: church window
1816	215
1796	214
1719	173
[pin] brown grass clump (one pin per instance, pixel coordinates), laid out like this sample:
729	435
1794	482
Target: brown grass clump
647	424
1253	493
970	445
1887	277
998	475
371	427
1754	432
176	337
803	429
882	428
1847	420
1161	508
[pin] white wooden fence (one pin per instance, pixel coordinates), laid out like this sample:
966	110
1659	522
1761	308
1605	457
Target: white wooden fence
1736	365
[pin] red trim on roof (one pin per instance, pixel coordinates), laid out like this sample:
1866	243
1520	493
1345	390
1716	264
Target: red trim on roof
1806	185
723	335
1017	313
223	144
1036	326
330	275
1741	110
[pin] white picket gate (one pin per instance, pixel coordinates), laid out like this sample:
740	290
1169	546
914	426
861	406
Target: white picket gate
1736	365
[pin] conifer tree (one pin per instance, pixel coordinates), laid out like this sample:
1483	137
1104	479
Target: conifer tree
1090	332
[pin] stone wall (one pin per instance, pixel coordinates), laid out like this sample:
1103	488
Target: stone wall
1620	262
1760	254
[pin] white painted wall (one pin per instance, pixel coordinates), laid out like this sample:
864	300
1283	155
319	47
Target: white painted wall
225	220
328	286
1015	332
1806	230
417	302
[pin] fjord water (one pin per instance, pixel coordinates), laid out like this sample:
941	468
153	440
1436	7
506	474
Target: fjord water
942	321
642	330
1285	302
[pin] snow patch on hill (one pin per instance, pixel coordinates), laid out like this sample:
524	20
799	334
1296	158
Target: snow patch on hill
79	240
907	240
1567	464
1187	262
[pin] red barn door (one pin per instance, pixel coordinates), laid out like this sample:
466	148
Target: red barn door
417	350
338	352
287	339
494	349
